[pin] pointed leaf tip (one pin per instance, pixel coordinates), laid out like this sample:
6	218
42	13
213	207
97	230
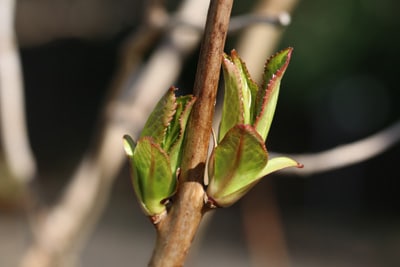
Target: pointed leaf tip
267	97
129	145
279	163
161	116
276	65
232	109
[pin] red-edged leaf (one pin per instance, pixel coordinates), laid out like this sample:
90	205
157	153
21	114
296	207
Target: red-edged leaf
236	164
232	110
267	97
151	174
160	117
249	88
184	107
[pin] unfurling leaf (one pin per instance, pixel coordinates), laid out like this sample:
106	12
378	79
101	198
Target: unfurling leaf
240	158
238	162
156	157
235	164
267	97
152	177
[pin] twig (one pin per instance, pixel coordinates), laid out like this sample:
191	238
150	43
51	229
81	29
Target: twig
14	136
176	232
241	22
349	154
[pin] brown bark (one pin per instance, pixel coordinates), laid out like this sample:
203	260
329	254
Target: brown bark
176	232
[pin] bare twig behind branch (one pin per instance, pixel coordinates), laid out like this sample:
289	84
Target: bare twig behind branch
348	154
14	136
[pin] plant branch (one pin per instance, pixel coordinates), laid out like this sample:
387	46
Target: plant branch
18	155
205	89
176	232
348	154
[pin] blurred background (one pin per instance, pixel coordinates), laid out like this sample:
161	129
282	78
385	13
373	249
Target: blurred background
341	86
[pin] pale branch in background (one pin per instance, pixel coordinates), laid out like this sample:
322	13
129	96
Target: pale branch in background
241	22
15	145
348	154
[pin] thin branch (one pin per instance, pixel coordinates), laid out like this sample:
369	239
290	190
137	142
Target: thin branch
176	232
205	89
14	136
241	22
349	154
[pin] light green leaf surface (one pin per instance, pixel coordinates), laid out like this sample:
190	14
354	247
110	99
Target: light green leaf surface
160	117
177	129
129	145
267	97
233	109
237	162
151	174
279	163
248	86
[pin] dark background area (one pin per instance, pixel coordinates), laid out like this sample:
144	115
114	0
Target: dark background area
341	86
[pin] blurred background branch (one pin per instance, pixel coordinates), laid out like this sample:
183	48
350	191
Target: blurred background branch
349	154
17	162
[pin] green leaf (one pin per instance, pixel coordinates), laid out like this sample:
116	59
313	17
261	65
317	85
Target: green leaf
160	117
240	159
236	164
177	129
279	163
151	174
248	86
129	147
267	98
233	109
